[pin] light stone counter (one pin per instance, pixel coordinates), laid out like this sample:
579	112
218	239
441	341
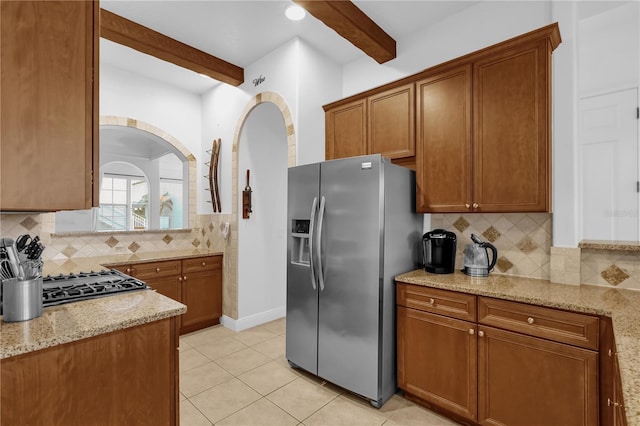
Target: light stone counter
79	320
623	306
96	263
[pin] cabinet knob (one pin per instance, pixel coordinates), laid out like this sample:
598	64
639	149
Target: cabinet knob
530	320
128	270
157	269
432	301
179	278
615	404
184	278
481	333
467	205
475	205
472	331
204	264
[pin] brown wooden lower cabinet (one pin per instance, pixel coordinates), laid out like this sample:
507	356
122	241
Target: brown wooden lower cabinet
524	380
120	378
498	375
195	282
437	360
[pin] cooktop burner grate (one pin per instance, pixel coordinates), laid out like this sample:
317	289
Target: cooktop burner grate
86	285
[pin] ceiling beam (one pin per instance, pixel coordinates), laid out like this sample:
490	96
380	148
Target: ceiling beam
354	25
128	33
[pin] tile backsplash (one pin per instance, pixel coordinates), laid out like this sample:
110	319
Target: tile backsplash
69	251
523	240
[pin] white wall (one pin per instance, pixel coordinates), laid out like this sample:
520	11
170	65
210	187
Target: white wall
302	76
262	238
478	26
166	107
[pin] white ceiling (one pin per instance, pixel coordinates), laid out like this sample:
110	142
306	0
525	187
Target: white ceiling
242	32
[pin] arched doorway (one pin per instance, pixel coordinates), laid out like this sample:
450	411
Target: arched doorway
231	290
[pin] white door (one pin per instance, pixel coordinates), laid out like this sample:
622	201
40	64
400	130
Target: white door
608	144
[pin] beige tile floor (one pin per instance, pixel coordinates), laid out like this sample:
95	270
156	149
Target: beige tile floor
243	378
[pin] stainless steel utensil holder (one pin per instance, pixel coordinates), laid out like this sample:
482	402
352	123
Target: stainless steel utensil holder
21	299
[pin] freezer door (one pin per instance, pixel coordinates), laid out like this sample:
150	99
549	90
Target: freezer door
348	327
302	293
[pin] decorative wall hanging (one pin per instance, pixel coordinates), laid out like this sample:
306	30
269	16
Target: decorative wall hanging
246	199
213	175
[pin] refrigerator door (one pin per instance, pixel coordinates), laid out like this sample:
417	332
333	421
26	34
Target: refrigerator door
302	289
349	309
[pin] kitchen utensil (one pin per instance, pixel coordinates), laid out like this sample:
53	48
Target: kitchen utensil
476	258
22	242
14	260
21	299
439	251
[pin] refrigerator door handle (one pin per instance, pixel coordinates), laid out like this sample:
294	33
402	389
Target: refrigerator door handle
311	229
319	243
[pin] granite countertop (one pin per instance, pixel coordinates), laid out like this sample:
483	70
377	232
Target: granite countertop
623	306
633	246
96	263
78	320
158	256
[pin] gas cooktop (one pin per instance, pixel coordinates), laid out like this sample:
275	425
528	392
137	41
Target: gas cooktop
86	285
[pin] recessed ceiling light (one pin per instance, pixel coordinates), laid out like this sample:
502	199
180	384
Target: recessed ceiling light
295	12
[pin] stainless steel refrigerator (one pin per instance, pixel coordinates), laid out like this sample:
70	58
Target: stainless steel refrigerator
352	228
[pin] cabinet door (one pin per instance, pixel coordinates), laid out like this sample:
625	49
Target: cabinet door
512	111
346	130
437	360
391	122
49	128
125	377
443	141
529	381
202	293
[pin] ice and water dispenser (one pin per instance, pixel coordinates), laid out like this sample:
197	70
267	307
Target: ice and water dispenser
300	247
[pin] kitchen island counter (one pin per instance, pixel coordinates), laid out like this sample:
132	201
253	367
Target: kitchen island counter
79	320
622	306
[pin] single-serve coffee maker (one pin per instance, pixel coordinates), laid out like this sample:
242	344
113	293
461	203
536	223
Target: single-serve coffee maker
439	251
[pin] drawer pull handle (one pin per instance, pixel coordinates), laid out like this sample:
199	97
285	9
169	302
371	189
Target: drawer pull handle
157	269
472	331
530	320
481	333
204	264
432	301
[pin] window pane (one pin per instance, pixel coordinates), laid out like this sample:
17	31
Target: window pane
171	204
120	184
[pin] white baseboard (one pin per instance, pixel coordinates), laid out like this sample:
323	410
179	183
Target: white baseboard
253	320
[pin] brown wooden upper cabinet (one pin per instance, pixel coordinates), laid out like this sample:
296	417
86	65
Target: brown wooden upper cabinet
376	122
49	105
346	130
483	129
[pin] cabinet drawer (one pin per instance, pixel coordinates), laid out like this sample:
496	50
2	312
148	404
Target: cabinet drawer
201	264
443	302
147	271
548	323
